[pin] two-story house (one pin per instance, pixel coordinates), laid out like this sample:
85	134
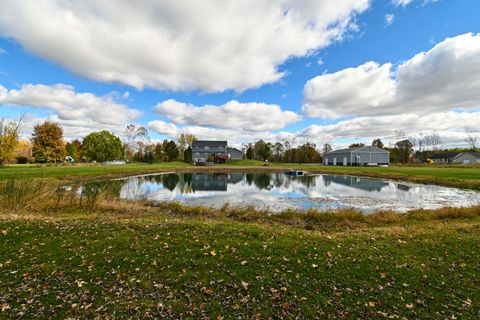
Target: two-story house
202	149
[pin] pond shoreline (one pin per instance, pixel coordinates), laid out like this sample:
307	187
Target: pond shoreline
276	191
460	184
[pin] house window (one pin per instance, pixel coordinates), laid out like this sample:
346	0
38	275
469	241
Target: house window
207	147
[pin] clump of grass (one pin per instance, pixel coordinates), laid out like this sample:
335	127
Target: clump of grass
317	220
53	195
20	193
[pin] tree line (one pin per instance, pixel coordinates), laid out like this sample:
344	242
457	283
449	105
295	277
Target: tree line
47	145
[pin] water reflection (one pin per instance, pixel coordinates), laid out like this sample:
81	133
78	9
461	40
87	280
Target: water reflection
356	182
278	191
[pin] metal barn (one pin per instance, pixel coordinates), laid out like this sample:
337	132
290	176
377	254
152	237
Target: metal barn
359	156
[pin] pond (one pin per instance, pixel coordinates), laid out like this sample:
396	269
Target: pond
277	191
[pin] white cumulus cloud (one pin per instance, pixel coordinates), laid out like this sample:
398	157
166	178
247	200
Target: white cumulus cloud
232	115
205	45
439	80
78	113
349	91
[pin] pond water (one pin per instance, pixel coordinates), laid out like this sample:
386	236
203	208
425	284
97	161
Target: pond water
277	191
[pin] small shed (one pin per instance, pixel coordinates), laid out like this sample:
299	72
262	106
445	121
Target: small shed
358	156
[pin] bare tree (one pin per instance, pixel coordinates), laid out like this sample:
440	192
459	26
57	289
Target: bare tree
472	138
435	141
132	133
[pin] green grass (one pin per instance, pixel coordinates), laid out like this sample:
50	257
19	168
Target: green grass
165	267
78	170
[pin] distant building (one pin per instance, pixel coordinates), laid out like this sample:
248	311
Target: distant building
203	149
358	156
467	158
443	157
234	154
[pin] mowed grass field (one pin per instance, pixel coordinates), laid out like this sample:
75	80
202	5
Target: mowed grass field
179	268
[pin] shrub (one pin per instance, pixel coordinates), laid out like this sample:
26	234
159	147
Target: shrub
22	160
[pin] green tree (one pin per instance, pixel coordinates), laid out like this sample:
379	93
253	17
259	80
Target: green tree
278	150
171	151
249	153
103	146
8	140
47	142
263	150
187	155
73	149
356	145
377	143
404	150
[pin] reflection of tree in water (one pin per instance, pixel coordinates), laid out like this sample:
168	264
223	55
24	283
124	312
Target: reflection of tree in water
170	181
326	182
185	183
157	179
249	177
108	189
307	181
278	179
262	181
188	178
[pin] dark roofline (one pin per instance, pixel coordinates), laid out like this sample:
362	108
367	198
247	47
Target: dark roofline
444	155
202	143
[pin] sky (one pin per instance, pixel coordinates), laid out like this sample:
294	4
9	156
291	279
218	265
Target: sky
320	71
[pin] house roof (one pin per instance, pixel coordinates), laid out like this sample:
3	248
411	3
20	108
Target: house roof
359	149
203	143
230	148
475	154
444	155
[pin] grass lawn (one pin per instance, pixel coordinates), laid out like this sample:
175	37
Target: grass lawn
174	267
79	170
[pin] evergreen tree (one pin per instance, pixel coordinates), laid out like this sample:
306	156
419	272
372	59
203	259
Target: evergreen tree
171	150
249	153
187	155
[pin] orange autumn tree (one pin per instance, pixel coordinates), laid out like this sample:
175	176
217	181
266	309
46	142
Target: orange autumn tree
47	142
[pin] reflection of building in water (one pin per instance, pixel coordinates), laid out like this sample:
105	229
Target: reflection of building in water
356	182
235	178
209	182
